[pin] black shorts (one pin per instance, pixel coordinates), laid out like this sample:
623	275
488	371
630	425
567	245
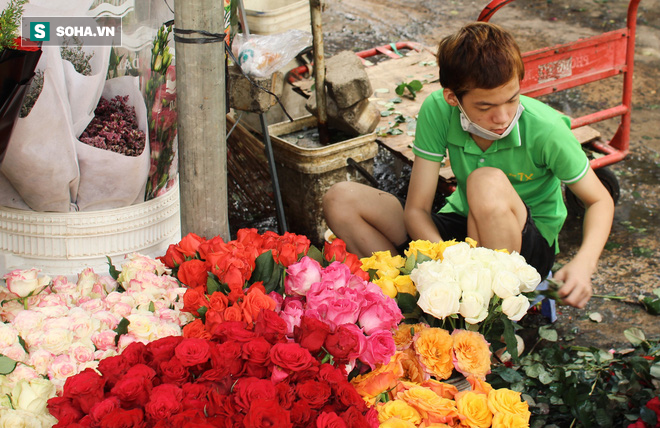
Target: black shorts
534	248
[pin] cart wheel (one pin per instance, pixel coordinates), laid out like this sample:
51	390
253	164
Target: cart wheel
575	206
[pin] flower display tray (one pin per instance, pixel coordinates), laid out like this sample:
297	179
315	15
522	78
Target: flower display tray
65	243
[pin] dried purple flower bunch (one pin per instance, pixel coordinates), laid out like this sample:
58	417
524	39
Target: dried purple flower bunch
114	127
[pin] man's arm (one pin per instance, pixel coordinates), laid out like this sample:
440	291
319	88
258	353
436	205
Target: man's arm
599	213
421	193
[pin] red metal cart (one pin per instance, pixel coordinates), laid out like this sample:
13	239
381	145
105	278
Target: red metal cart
561	67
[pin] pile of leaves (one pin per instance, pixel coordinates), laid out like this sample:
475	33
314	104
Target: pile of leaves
572	386
115	127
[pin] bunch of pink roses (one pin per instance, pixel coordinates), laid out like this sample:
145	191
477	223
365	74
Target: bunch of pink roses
240	378
329	309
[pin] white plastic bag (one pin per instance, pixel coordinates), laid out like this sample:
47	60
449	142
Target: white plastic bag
261	56
109	179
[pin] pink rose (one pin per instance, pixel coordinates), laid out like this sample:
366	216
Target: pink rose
320	293
26	282
277	298
379	313
380	348
291	314
337	273
341	311
300	276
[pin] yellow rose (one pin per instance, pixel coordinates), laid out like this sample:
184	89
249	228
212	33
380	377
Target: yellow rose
396	423
398	409
508	420
383	378
472	353
387	285
507	401
434	347
430	405
404	284
474	407
403	336
428	248
433	425
471	242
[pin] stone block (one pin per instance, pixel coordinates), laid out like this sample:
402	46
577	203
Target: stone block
359	119
346	79
244	96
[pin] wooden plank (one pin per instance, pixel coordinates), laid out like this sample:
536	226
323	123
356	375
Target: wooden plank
387	75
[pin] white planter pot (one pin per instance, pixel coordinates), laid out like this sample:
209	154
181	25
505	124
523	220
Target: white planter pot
66	243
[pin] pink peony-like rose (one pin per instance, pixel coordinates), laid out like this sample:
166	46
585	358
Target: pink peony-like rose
25	282
379	313
301	276
380	348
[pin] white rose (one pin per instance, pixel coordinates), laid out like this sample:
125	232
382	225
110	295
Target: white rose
432	273
55	340
506	284
515	307
8	335
457	254
62	368
517	259
529	278
25	282
82	351
142	325
485	257
40	360
32	395
473	307
504	261
440	300
18	419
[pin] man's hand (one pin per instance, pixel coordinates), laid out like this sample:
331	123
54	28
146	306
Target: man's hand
576	289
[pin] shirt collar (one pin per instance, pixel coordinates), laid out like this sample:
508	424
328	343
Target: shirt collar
458	137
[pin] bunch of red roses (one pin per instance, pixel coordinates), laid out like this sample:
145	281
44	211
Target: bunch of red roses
654	406
241	377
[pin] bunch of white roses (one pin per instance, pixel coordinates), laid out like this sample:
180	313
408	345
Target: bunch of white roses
471	282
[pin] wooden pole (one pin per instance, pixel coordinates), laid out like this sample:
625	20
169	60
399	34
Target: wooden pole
315	9
201	105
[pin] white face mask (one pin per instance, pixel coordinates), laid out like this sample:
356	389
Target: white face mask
473	128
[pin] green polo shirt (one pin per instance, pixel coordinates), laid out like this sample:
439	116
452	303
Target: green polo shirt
538	155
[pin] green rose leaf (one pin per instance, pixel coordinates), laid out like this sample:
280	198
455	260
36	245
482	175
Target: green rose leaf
548	333
114	273
407	302
7	365
315	254
122	328
635	336
652	305
264	265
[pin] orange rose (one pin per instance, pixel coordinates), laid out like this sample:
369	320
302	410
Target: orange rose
233	313
471	353
508	420
413	371
189	244
430	405
196	329
397	423
254	302
403	337
218	302
434	347
444	390
193	299
474	407
507	401
377	381
398	409
432	425
479	385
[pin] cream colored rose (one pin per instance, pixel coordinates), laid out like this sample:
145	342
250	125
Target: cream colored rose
431	273
18	419
8	336
457	254
529	278
473	307
26	282
506	284
515	307
484	256
142	325
55	340
440	300
33	395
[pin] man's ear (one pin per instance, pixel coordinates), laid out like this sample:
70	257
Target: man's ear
450	97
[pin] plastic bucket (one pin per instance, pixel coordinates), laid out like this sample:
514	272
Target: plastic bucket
277	16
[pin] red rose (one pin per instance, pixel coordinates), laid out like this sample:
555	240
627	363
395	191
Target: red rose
85	389
196	329
195	396
249	389
270	326
311	333
121	418
193	299
249	237
221	405
639	423
301	413
256	350
132	391
163	349
342	343
189	244
193	352
330	420
291	356
193	273
226	357
113	368
64	411
335	250
254	302
164	402
286	395
210	246
355	265
233	331
267	413
141	370
135	353
174	372
102	408
355	419
654	404
233	314
286	254
315	393
331	375
218	302
173	257
346	394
